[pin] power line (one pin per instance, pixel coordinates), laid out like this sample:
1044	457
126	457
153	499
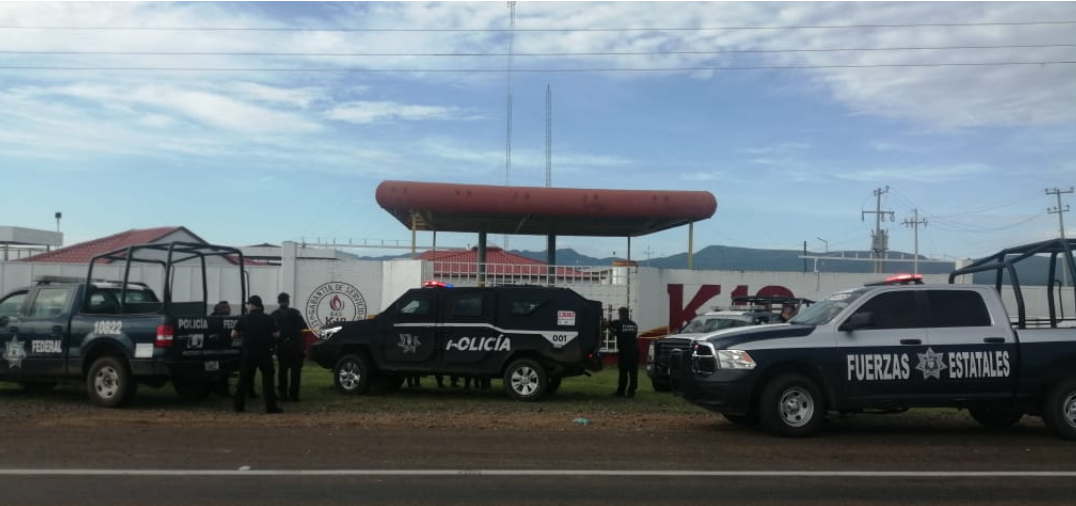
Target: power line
536	71
505	30
501	55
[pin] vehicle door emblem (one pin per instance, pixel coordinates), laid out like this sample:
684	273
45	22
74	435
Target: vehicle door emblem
931	364
14	352
409	343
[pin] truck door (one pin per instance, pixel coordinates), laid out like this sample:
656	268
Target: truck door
45	330
410	338
468	340
879	360
12	344
979	354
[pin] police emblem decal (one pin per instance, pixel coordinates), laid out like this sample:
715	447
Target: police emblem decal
14	352
931	364
409	343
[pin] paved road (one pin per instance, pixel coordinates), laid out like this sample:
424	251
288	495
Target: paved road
871	460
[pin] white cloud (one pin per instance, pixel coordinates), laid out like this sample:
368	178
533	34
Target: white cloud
363	112
918	174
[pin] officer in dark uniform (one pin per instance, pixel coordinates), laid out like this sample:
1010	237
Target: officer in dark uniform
290	351
626	332
258	331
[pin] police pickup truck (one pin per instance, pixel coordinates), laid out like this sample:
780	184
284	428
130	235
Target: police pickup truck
113	335
531	337
892	347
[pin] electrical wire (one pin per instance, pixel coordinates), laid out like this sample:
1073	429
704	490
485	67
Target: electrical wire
502	55
532	71
539	30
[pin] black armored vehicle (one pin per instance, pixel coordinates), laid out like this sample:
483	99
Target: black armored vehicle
531	337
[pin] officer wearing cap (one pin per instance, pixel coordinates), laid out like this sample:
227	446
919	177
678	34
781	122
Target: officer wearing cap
290	350
258	331
627	350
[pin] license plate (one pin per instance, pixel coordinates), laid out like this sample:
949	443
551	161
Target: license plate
212	365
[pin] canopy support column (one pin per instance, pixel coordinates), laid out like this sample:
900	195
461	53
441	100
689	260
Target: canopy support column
482	257
551	259
691	245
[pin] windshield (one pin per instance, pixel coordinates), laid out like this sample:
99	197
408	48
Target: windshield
705	325
823	312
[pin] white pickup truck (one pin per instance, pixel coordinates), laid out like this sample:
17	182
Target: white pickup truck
893	347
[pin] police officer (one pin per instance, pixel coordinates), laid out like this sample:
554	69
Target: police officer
626	332
290	350
258	331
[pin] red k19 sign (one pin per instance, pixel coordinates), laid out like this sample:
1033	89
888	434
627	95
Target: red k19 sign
680	314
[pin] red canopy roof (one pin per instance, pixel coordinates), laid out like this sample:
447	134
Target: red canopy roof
542	211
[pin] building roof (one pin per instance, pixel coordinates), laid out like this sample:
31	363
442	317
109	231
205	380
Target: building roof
83	252
498	262
541	211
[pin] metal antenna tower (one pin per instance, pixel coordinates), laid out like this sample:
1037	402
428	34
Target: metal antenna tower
880	238
511	53
548	136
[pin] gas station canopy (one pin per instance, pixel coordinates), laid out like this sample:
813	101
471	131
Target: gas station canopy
520	210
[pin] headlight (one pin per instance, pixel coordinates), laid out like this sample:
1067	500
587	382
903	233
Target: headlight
706	360
734	359
326	333
650	353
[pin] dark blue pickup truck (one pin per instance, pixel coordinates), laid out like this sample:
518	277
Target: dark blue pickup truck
115	335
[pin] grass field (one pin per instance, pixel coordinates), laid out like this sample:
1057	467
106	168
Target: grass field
580	394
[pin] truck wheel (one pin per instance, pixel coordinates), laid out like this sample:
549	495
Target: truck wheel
791	405
191	390
525	380
995	418
110	383
352	374
1059	409
554	384
661	386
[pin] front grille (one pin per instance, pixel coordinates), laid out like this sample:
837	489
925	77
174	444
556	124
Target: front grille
664	347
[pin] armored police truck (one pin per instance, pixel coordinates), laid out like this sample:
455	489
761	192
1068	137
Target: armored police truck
890	347
114	335
529	336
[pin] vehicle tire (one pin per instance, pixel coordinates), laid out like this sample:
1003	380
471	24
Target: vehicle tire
742	420
38	387
1059	409
661	386
352	374
525	380
791	405
554	385
110	382
191	390
996	418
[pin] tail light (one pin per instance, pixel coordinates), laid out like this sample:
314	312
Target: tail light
165	335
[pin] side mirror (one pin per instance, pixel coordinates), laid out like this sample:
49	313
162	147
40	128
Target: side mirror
857	321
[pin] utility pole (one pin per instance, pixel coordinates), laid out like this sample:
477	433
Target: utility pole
1060	212
648	252
880	238
914	223
508	136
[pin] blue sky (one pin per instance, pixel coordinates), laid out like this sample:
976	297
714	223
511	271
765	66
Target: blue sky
249	155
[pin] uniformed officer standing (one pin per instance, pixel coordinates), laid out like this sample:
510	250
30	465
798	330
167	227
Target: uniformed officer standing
291	349
626	332
258	331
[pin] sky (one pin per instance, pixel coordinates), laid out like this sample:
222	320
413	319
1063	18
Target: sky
263	122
